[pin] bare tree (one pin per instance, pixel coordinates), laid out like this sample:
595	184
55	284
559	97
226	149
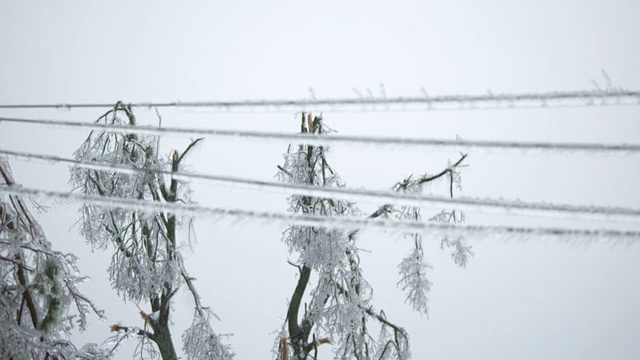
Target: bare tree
39	298
147	265
340	308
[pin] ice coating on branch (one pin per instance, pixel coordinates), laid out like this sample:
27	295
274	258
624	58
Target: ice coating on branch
461	253
413	278
318	247
200	342
140	267
413	268
146	265
39	298
340	306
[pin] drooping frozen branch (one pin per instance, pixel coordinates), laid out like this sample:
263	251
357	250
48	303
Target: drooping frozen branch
340	306
147	264
38	287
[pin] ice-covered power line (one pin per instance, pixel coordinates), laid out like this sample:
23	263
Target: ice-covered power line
609	96
470	204
335	139
350	223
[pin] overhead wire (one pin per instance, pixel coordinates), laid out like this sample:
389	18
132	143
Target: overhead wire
609	96
323	221
333	139
492	205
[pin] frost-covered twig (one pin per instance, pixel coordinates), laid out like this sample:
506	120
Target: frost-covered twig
38	283
146	264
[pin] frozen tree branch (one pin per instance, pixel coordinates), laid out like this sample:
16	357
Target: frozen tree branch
340	303
37	282
146	264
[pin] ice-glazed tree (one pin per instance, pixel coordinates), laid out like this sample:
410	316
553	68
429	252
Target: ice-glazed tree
339	307
39	298
146	265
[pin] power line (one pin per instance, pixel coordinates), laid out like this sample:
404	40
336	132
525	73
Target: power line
323	221
597	97
517	207
333	139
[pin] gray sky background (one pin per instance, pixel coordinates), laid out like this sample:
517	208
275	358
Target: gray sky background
521	298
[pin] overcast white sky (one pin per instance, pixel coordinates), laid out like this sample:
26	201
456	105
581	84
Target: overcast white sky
524	299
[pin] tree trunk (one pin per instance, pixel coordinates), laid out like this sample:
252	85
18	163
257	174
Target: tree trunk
298	334
162	338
